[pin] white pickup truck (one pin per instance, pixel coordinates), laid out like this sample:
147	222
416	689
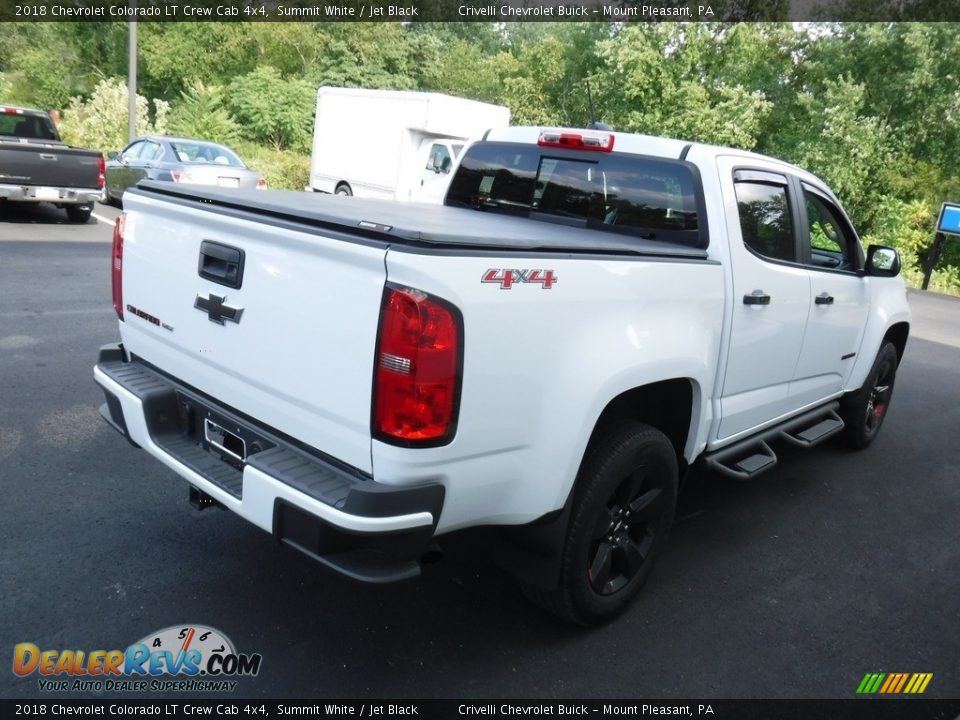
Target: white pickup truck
547	353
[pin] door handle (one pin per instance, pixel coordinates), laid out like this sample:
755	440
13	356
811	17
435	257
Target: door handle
221	264
824	299
757	297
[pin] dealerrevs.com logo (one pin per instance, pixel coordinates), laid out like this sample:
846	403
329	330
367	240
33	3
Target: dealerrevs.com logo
187	658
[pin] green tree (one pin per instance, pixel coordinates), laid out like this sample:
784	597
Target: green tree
272	109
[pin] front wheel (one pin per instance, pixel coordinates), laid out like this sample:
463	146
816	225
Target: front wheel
624	504
864	412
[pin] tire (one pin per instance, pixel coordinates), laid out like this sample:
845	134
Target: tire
624	503
343	189
864	411
79	213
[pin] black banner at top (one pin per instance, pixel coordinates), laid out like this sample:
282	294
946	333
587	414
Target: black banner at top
610	11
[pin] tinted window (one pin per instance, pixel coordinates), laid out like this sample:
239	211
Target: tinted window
32	127
648	197
765	220
832	244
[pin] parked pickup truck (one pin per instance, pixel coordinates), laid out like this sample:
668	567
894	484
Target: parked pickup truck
36	166
587	315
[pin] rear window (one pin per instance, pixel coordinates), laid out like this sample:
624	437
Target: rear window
34	127
647	197
205	153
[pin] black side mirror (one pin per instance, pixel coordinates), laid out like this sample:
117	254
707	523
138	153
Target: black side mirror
882	261
113	155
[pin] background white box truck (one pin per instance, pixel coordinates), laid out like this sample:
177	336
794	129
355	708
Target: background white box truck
393	144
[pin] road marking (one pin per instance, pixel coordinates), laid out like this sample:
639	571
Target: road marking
103	219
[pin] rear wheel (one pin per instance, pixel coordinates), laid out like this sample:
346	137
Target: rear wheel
864	412
343	189
79	213
623	506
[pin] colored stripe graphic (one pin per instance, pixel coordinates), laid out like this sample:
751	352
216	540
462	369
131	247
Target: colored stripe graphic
894	683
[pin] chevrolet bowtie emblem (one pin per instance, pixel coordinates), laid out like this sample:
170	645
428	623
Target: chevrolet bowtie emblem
217	310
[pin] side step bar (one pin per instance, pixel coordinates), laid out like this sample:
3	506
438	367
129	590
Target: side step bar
746	459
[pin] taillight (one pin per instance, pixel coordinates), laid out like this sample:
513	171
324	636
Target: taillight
416	393
101	173
261	184
116	269
600	142
177	175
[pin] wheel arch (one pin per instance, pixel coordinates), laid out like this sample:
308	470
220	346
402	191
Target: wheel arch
897	334
533	551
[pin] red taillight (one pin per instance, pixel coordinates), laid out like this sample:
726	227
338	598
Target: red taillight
101	173
417	379
600	142
12	111
261	184
116	268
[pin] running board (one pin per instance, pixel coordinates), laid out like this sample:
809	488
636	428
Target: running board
746	459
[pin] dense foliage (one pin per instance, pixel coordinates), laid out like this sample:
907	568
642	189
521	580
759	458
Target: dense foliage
873	108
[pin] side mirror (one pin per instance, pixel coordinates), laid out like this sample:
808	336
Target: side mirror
113	155
882	261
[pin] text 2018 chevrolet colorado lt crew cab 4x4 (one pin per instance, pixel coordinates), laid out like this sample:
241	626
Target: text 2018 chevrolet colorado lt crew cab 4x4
587	315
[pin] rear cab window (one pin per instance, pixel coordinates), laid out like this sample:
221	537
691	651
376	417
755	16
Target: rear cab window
27	126
646	197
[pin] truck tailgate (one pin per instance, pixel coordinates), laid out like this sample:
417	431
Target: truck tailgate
50	165
298	358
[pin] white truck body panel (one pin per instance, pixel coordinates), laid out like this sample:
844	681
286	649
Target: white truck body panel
540	363
378	141
304	299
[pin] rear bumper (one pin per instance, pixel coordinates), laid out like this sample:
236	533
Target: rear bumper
64	196
335	514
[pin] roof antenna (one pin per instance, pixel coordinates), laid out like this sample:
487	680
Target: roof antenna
594	123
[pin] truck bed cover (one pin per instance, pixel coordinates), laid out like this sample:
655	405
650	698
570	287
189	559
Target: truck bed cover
417	225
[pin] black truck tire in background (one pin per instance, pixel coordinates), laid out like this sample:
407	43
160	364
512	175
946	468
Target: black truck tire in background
79	213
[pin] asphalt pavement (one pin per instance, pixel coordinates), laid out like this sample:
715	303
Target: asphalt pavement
832	565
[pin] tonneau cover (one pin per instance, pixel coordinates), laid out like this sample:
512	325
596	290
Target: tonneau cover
419	224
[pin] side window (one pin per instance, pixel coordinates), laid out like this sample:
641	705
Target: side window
151	151
765	220
439	159
133	151
832	244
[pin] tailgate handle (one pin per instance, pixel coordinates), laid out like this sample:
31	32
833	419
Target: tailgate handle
221	264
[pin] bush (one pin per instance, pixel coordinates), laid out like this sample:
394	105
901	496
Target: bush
282	169
271	109
200	113
100	123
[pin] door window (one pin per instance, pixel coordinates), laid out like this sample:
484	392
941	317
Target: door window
765	220
439	160
133	151
151	151
831	242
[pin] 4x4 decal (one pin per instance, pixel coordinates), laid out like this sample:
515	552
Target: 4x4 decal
506	279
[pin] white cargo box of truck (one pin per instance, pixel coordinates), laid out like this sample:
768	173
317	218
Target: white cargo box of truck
393	144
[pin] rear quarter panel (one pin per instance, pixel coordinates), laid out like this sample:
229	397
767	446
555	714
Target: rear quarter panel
540	365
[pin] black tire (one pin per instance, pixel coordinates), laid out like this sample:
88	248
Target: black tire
343	189
623	506
864	411
79	213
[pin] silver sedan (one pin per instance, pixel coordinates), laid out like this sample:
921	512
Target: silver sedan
180	160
